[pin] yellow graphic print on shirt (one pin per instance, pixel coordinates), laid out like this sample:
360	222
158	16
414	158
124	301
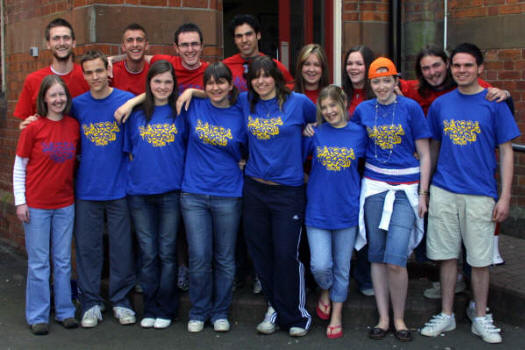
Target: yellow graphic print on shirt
101	134
263	129
386	136
335	158
158	135
212	134
461	132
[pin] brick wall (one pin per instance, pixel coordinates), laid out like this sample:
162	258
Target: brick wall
365	22
93	21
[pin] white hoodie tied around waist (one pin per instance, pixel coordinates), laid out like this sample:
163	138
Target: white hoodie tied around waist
371	187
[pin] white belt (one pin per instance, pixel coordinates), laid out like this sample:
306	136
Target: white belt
405	171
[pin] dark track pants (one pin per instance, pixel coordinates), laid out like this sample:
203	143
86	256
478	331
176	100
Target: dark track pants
273	217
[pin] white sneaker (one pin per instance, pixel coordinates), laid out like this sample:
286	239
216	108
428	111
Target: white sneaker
195	326
438	323
147	322
221	325
297	331
124	315
267	326
161	323
91	317
484	327
435	291
471	311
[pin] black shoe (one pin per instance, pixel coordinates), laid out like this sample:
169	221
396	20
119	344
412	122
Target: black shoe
39	329
403	335
377	333
69	323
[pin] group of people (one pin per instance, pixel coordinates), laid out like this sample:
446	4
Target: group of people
223	146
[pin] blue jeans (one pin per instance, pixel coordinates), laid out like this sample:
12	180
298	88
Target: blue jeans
49	232
390	247
330	255
89	230
156	218
211	230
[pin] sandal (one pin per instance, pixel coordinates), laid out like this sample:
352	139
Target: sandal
323	310
334	332
377	333
403	335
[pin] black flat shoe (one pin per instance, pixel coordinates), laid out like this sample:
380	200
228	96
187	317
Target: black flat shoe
377	333
403	335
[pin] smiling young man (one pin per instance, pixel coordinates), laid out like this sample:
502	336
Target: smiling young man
246	35
60	39
434	79
189	68
130	73
464	202
96	196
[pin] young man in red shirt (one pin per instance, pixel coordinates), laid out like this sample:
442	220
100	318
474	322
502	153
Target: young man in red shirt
60	39
189	68
246	35
130	73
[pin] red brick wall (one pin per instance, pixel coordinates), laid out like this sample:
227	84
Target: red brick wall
359	10
365	22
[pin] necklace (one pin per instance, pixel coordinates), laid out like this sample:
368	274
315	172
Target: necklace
390	139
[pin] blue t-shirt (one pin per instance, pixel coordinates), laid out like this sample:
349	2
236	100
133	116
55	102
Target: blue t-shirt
469	128
334	184
392	133
102	171
275	138
215	140
157	150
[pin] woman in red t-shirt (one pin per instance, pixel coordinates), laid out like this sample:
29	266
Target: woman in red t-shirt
44	199
356	86
311	71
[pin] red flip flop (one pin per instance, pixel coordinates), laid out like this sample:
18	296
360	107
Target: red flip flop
334	332
323	310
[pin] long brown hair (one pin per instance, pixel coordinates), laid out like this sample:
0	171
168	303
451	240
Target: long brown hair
304	54
148	106
265	65
368	57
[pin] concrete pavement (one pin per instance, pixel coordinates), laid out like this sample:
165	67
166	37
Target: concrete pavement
508	283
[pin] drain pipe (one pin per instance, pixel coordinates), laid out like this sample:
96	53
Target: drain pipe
445	24
338	41
395	30
2	45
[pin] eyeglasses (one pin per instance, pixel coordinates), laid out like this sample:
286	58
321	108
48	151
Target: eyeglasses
185	46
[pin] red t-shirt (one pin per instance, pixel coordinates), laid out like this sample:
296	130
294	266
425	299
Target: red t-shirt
51	147
239	66
359	96
129	81
409	88
185	78
313	95
26	104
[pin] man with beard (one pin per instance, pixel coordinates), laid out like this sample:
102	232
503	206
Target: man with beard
60	39
130	73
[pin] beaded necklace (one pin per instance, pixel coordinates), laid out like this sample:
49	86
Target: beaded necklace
390	135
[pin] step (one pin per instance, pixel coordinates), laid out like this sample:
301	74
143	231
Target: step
358	310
